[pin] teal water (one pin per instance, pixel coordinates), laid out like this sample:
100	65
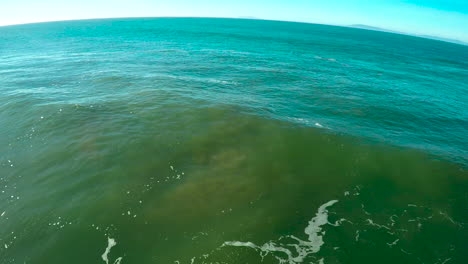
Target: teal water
189	140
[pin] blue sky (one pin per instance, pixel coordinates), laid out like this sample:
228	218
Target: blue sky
444	18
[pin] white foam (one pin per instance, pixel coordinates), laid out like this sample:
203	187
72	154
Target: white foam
318	125
314	230
110	243
372	223
303	248
445	261
393	243
240	244
449	218
363	209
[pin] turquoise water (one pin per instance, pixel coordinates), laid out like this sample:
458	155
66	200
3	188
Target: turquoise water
189	140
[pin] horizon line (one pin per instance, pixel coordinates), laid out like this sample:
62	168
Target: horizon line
354	26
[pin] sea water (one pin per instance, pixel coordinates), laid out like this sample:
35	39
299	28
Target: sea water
190	140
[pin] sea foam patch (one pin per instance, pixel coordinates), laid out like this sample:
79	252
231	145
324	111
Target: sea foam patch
110	244
301	248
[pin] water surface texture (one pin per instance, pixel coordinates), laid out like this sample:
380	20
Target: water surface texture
189	140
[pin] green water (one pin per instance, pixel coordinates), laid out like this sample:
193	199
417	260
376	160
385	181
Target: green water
185	143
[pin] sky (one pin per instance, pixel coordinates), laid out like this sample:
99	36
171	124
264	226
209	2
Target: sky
441	18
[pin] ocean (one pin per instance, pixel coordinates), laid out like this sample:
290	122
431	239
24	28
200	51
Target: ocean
196	140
